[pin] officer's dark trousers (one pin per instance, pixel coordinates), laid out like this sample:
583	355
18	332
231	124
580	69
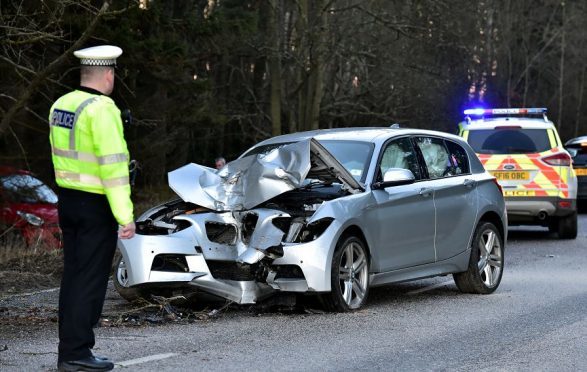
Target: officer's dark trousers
89	241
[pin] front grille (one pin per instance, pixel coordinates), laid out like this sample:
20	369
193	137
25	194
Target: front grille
229	270
221	233
249	222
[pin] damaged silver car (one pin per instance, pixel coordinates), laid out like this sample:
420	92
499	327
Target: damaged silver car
329	212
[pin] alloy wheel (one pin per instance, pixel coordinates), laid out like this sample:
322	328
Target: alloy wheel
353	274
490	258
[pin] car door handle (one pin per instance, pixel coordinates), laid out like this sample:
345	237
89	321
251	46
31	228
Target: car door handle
469	183
426	192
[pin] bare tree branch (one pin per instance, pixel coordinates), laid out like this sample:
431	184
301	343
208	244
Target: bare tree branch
42	75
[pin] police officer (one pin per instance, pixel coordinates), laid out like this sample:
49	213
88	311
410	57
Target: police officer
91	159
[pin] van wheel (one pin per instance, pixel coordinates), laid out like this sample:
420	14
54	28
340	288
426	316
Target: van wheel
486	263
567	226
349	276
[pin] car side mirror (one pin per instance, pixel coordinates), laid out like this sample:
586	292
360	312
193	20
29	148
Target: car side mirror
395	177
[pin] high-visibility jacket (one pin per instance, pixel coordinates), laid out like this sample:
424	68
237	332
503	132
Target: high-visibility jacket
88	149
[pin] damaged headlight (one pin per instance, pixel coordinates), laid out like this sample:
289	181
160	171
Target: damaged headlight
302	232
159	227
160	220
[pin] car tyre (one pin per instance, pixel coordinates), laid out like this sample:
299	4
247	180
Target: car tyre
120	280
349	276
486	263
567	226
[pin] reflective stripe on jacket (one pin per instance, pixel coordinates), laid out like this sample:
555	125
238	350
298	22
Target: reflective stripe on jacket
89	151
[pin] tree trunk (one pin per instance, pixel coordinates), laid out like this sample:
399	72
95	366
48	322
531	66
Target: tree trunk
562	70
580	103
316	81
301	74
274	67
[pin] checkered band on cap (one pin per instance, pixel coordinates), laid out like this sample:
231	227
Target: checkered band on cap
97	62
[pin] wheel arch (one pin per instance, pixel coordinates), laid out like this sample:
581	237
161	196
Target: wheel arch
355	230
493	217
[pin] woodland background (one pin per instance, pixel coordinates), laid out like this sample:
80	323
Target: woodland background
205	78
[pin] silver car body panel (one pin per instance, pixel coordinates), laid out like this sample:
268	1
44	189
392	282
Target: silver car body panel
411	231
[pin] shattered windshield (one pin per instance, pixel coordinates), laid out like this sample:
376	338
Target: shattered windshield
24	188
353	155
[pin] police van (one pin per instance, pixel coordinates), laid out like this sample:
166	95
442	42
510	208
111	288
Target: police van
523	151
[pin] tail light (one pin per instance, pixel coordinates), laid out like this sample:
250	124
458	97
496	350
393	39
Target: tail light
560	159
498	185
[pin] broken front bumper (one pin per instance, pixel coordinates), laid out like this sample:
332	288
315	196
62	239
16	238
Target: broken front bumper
237	272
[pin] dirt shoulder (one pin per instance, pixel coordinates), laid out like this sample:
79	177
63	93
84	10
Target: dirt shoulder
30	272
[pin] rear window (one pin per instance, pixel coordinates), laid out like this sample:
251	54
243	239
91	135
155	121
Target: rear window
23	188
509	141
579	155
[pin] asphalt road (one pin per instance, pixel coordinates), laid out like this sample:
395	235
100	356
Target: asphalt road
535	321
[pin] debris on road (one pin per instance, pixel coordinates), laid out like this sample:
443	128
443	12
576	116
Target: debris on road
161	310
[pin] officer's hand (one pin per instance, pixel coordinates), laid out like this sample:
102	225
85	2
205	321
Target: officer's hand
127	231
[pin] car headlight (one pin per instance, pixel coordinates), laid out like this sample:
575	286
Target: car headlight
33	219
301	232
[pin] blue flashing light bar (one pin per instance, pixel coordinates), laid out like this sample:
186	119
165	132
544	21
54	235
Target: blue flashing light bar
475	112
505	111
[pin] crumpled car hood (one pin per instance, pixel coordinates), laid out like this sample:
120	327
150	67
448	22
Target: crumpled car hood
249	181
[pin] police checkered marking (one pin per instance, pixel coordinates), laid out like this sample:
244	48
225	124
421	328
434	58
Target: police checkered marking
63	119
98	62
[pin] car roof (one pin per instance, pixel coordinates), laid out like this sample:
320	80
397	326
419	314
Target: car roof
491	123
576	141
367	134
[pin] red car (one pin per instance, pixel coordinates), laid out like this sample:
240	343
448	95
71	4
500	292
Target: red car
29	207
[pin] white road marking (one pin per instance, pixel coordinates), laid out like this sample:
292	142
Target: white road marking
429	288
29	293
129	337
146	359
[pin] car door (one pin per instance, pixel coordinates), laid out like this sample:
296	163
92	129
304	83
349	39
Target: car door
403	216
455	194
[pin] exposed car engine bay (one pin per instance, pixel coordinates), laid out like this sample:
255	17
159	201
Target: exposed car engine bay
298	204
